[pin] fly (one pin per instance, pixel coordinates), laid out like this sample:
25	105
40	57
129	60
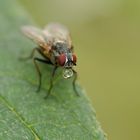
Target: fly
55	46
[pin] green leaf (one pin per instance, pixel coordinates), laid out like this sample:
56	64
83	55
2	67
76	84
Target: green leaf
24	114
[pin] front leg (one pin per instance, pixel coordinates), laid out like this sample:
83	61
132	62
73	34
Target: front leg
74	82
38	70
51	82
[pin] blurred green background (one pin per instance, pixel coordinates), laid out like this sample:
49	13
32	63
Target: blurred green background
106	36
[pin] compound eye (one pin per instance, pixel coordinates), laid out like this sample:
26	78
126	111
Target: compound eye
74	58
62	59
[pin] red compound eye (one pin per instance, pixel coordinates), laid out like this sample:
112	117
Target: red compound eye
74	58
62	59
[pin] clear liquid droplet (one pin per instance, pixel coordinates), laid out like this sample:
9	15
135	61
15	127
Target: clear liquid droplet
67	73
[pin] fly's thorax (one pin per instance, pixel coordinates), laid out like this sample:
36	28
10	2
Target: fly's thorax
61	47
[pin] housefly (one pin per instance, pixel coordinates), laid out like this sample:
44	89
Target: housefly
55	46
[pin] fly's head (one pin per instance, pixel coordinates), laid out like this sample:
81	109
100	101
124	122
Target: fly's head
67	61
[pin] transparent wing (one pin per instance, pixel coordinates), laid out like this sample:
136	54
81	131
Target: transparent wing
58	32
34	34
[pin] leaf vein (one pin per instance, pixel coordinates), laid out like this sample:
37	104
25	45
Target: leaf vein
20	118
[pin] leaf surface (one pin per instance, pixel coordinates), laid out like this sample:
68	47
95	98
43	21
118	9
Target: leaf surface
24	114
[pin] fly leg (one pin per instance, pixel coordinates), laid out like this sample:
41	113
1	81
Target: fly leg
35	59
74	82
38	70
51	82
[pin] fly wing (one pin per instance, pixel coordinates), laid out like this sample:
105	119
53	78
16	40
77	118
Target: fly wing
37	36
34	34
58	32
